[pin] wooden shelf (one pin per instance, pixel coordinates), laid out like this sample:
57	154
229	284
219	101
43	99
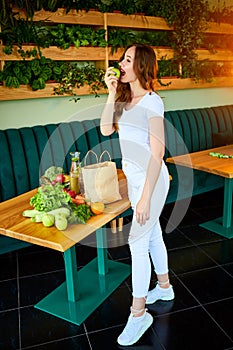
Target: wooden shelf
57	54
103	55
25	92
178	84
99	54
115	20
72	17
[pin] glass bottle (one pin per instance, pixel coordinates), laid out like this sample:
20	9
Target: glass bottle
74	172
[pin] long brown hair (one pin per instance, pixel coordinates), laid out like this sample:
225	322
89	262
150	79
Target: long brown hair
145	67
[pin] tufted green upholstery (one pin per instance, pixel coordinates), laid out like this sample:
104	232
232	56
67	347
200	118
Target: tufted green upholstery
195	129
26	152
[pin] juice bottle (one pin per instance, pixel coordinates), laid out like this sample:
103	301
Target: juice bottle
74	172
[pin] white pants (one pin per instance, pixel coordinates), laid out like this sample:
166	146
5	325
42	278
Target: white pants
147	241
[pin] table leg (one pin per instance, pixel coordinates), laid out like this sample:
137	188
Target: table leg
223	225
227	204
71	274
84	290
102	254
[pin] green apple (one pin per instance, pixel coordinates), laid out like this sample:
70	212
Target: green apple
117	72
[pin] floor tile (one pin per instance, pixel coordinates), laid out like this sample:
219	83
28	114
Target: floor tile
40	327
221	252
112	312
191	329
189	259
176	240
221	311
9	330
198	235
8	263
74	343
228	268
9	295
40	261
209	285
34	288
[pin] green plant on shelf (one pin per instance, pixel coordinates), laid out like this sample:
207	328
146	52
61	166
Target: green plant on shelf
64	36
75	77
38	72
120	38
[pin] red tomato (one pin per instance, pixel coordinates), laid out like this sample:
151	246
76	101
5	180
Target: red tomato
60	178
71	193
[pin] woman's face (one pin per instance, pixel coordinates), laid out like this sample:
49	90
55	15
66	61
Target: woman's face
126	66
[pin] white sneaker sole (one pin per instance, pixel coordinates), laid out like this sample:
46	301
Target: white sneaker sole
148	302
140	334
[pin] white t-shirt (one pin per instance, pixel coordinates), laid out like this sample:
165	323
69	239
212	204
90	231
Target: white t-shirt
134	130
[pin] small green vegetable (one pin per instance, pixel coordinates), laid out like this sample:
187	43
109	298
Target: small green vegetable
37	217
60	211
48	220
30	213
61	222
220	155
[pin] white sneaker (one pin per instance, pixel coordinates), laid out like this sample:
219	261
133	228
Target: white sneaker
159	293
135	328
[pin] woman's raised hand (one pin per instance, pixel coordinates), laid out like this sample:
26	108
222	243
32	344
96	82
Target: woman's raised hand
111	80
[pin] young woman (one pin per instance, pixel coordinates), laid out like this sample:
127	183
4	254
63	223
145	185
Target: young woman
136	111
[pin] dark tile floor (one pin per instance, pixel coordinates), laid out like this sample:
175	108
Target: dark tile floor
200	317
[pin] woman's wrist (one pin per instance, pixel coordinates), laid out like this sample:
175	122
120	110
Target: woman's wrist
111	95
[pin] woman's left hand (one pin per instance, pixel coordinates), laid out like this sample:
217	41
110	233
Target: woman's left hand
142	211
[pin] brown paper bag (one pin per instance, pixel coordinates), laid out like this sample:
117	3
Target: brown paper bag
100	180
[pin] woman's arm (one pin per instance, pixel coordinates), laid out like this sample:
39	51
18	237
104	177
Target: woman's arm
107	117
157	153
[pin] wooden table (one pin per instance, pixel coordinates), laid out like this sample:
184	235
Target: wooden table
218	166
83	291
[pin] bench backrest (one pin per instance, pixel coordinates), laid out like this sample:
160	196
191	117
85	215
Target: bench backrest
26	152
194	130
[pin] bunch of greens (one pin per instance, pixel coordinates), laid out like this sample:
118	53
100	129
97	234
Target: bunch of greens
49	197
52	172
79	213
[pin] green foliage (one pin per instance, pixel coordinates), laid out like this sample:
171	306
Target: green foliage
188	17
38	71
120	38
221	14
50	197
64	36
75	77
167	68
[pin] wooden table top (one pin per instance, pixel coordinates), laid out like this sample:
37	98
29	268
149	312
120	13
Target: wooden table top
13	224
203	161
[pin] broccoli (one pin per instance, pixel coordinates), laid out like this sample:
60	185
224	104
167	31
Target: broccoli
52	172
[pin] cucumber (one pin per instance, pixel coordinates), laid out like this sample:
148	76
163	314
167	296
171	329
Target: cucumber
30	213
64	211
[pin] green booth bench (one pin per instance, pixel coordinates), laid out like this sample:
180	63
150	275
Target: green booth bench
28	151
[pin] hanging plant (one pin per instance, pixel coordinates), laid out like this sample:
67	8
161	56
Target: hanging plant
189	20
75	77
221	14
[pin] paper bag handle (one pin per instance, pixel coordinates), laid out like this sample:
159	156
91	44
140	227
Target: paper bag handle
87	154
100	158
